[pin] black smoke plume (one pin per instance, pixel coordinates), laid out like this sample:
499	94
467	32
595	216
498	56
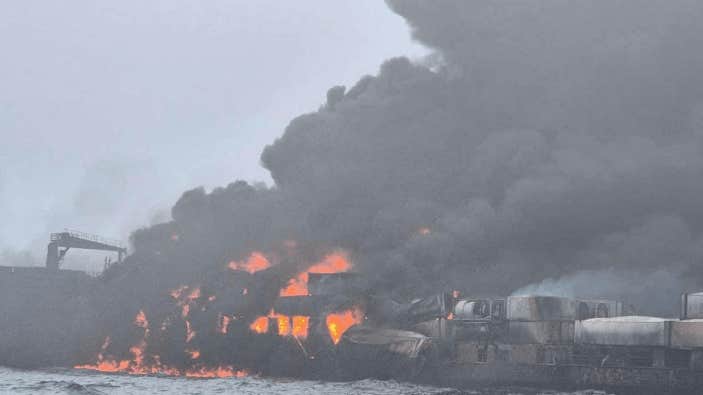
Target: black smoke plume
548	139
551	139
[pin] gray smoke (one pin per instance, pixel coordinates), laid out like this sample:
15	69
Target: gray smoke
546	140
545	146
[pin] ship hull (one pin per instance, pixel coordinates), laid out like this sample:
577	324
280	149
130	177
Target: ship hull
615	380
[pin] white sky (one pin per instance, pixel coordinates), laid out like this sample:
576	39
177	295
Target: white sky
110	110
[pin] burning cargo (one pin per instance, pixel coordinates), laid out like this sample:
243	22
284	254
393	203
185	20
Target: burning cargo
326	323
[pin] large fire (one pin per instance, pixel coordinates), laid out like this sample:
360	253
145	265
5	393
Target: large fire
254	263
186	297
338	323
300	326
139	365
336	262
296	326
283	325
260	325
140	357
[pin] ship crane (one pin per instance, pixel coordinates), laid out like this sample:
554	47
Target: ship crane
61	242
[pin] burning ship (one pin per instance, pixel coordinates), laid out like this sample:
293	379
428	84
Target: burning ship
326	322
538	140
334	330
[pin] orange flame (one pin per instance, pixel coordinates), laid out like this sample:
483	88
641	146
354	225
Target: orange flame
338	323
138	365
300	326
218	372
296	326
159	369
260	325
283	325
185	296
138	353
336	262
107	366
254	263
297	286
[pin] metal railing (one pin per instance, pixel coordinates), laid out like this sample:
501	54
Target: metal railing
86	236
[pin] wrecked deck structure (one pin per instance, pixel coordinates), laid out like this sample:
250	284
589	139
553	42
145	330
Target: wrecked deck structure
329	324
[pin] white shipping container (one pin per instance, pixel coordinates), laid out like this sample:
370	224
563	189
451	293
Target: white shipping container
624	331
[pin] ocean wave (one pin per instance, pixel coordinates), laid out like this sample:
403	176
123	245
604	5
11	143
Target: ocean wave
74	382
51	386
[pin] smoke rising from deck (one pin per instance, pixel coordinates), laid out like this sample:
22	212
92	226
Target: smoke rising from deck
553	138
549	139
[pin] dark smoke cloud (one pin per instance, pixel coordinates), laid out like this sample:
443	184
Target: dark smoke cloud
555	140
554	137
557	137
591	114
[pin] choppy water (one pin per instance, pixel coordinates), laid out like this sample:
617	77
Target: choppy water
75	382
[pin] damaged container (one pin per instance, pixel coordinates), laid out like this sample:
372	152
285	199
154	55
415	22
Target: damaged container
383	353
